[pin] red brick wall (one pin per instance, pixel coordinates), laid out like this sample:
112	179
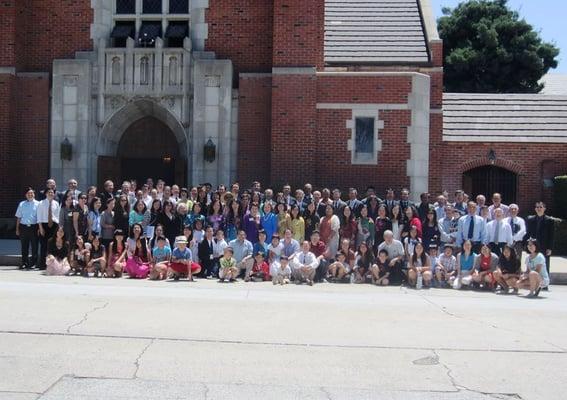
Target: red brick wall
8	33
52	29
366	89
299	33
527	160
333	165
255	123
7	143
241	30
294	126
32	144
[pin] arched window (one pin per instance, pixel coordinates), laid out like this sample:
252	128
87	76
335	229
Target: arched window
144	71
116	71
173	70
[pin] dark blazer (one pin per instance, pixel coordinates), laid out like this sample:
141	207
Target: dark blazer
338	206
389	205
355	206
545	233
205	252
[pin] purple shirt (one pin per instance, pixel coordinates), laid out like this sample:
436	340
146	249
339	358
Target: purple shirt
251	226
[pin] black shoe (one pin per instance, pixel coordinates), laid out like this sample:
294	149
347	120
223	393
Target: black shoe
545	289
23	266
537	292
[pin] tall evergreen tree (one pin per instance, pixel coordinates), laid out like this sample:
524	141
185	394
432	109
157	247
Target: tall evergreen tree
489	49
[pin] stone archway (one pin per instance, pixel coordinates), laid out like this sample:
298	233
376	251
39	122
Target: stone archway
134	116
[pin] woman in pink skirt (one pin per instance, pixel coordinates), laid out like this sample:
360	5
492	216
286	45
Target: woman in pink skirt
138	262
116	255
57	262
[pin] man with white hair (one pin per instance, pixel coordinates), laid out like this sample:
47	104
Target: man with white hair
518	225
395	250
305	264
499	233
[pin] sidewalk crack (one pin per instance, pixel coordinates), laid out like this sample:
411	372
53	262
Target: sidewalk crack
86	316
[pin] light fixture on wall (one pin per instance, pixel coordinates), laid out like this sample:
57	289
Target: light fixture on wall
492	156
210	151
66	150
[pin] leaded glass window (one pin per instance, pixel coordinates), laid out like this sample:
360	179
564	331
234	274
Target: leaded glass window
364	135
125	6
151	7
179	6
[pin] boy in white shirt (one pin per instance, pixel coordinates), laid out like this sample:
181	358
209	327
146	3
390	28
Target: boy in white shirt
282	274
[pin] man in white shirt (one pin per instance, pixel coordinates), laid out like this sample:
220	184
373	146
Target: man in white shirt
518	226
304	265
48	220
499	232
497	203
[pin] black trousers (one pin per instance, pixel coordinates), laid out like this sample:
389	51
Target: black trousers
49	233
321	271
29	236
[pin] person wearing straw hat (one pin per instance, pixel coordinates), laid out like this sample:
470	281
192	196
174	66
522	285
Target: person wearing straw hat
181	260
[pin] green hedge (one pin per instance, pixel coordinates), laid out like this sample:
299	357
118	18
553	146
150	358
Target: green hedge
560	238
560	197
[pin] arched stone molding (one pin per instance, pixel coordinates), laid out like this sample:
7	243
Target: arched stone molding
485	161
116	125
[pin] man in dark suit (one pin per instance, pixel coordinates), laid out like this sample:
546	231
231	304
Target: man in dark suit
107	193
353	202
390	200
325	193
338	204
205	253
541	227
424	206
405	202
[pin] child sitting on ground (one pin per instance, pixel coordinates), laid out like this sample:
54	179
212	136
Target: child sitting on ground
181	260
260	270
227	266
282	274
381	269
446	267
161	256
339	269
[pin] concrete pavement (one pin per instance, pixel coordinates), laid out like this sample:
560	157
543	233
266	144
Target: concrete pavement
76	338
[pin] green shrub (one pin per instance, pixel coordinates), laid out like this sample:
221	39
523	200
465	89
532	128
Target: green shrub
560	238
560	197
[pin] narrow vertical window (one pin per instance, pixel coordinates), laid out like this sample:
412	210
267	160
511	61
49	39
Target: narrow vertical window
173	70
144	71
364	136
116	71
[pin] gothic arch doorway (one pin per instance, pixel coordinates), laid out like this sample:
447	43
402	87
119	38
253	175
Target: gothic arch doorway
142	140
149	149
489	179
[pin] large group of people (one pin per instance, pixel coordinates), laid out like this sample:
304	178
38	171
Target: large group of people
162	232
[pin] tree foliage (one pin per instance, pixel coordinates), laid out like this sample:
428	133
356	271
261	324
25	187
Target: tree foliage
489	49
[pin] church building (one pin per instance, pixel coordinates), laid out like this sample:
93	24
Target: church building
333	92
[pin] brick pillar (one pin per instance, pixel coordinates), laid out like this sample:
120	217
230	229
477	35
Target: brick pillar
298	52
294	126
7	144
298	33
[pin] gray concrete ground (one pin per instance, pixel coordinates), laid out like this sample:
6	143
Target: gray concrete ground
77	338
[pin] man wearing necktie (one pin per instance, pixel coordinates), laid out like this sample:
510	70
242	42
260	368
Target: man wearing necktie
518	226
48	220
499	232
472	227
305	265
